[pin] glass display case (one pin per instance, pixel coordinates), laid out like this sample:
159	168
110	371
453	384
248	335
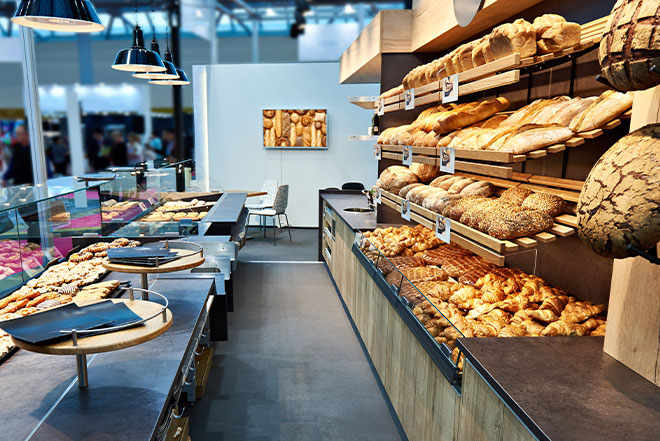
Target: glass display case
37	225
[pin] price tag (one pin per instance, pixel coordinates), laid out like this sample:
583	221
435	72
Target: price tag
142	206
447	159
378	152
381	107
450	89
443	228
378	196
407	155
405	209
409	98
151	201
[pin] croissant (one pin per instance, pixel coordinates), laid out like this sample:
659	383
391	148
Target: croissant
555	304
481	309
561	327
599	330
512	331
533	328
516	303
493	293
461	297
577	312
543	293
543	315
594	323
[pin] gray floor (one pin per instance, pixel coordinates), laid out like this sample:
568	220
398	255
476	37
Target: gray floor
303	245
293	368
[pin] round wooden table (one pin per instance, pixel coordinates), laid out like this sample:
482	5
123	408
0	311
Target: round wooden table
158	319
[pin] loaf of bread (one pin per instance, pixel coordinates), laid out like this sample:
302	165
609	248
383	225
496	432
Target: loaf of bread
549	204
620	199
554	33
392	92
470	113
439	200
458	186
394	178
414	192
404	191
531	137
565	114
479	188
515	195
510	38
631	45
604	109
425	172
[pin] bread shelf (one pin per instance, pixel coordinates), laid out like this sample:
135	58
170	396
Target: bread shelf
488	247
366	102
502	72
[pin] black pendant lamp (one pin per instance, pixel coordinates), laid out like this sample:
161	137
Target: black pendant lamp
182	80
170	72
58	15
137	58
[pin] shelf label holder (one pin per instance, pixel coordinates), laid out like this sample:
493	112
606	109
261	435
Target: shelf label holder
407	155
443	228
447	160
449	86
409	99
405	209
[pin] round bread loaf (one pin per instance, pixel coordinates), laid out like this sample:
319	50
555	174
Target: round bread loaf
396	177
620	200
425	172
631	45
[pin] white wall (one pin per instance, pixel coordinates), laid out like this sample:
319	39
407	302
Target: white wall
234	98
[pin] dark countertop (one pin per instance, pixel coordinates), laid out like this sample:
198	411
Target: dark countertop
128	389
357	221
228	209
567	388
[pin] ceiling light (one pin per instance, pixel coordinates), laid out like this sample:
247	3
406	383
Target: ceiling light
182	80
270	12
137	58
169	74
348	9
58	15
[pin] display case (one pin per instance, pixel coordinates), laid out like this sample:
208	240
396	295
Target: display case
37	225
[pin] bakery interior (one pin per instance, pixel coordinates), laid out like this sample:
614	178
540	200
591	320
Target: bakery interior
312	219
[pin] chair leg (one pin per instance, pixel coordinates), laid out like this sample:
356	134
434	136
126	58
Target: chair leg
274	236
264	222
288	228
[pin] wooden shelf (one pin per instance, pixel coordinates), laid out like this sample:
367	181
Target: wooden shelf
486	246
366	102
388	32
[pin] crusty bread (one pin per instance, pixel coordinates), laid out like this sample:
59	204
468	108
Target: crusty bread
425	172
465	55
396	177
430	140
565	115
458	186
479	188
467	114
438	201
515	195
543	22
404	191
510	38
392	92
386	135
549	204
543	114
531	137
412	194
447	183
558	37
478	57
608	106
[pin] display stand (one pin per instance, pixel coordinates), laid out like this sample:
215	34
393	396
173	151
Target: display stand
113	338
191	256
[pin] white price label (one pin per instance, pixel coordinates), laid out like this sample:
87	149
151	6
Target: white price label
152	201
447	159
405	209
450	89
407	155
443	228
142	206
378	196
381	107
378	152
409	98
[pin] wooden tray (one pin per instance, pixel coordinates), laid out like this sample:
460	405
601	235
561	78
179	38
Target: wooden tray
114	340
178	265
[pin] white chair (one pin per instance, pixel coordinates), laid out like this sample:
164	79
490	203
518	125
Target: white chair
270	187
279	207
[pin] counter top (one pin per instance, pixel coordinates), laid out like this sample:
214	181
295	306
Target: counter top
565	388
357	221
128	389
227	209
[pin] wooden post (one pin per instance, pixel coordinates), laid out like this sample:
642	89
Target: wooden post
633	319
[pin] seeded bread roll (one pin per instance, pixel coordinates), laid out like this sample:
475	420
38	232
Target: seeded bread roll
549	204
620	200
515	195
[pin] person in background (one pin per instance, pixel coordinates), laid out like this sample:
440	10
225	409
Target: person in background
20	166
119	151
168	141
60	155
156	146
94	149
134	149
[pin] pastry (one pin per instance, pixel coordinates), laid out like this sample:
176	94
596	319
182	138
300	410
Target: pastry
620	199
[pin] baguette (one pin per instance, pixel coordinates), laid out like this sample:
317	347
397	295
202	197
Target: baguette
467	114
608	106
565	115
278	123
531	137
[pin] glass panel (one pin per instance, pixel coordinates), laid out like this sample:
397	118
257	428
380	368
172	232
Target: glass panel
11	270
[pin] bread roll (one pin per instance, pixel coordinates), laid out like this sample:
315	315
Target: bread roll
510	38
268	123
396	177
299	129
269	113
620	199
295	118
425	172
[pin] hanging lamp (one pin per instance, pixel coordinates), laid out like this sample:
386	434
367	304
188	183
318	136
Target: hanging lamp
137	58
182	80
58	15
170	72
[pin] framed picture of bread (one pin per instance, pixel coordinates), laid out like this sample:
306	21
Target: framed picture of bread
303	129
